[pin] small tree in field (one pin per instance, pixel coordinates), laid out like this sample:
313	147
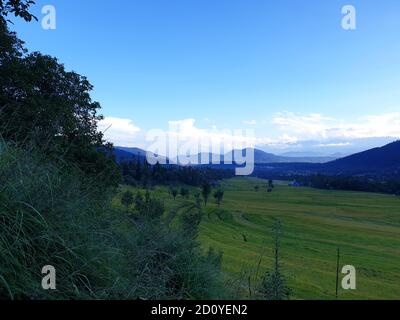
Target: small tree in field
205	191
274	286
256	188
184	192
127	199
218	195
174	192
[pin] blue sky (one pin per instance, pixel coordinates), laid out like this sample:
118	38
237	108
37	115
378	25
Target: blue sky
285	68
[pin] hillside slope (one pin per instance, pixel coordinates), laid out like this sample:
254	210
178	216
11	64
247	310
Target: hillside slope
383	159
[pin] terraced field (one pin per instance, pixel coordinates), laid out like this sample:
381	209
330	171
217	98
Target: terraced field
365	226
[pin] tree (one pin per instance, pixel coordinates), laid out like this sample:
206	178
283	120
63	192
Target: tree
127	199
274	286
56	111
218	195
205	191
184	192
44	106
270	184
12	48
173	191
18	8
256	188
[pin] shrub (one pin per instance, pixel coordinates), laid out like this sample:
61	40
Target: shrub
218	195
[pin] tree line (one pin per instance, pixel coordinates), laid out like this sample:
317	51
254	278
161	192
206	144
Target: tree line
349	183
137	172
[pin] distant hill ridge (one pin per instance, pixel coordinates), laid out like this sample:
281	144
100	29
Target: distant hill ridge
260	157
377	159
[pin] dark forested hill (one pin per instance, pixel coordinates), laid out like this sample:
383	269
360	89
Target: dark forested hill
384	159
123	156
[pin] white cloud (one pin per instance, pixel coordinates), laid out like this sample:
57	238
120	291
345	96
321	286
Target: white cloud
121	132
319	127
327	145
185	130
291	129
280	142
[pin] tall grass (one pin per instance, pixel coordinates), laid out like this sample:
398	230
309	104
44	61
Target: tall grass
52	214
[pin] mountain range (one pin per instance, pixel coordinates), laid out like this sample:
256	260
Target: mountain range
377	161
382	162
261	157
331	147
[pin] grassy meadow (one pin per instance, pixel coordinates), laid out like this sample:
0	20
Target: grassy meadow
365	226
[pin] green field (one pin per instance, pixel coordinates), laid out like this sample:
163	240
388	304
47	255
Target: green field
365	226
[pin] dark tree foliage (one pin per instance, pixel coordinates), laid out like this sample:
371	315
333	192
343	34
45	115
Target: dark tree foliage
218	195
11	47
184	192
138	171
44	106
174	192
349	183
382	183
18	8
205	191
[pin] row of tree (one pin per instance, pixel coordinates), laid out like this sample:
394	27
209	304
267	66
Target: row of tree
349	183
206	190
128	198
137	172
